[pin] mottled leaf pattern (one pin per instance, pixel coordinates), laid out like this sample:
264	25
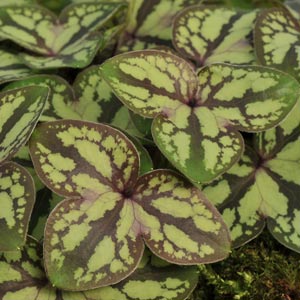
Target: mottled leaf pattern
11	67
264	185
61	100
89	99
145	28
95	99
277	41
197	118
69	40
22	277
19	112
95	236
17	196
210	34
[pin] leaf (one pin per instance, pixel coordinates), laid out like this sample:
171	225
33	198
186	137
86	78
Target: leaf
11	67
67	41
19	112
197	118
95	236
89	99
211	34
17	196
264	186
61	98
95	99
145	28
22	277
277	40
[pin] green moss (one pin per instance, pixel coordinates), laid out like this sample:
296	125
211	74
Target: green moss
262	269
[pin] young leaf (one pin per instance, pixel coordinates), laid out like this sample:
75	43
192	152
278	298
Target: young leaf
19	112
22	277
11	67
264	186
17	196
277	40
67	41
197	118
95	236
210	34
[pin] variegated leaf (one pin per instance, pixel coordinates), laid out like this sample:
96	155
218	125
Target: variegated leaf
22	277
95	236
61	97
89	99
11	67
197	118
19	112
210	34
145	28
277	41
263	186
45	201
67	41
17	196
16	2
95	99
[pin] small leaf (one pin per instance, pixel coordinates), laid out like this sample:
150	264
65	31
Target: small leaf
95	236
67	41
19	112
196	119
210	34
277	40
17	196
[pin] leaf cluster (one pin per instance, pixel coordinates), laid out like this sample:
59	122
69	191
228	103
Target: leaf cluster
139	139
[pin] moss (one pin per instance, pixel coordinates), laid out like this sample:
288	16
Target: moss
260	270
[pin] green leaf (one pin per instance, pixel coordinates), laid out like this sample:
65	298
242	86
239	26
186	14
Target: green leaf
61	100
277	40
17	196
67	41
19	112
145	28
264	186
89	99
197	118
22	277
95	99
16	2
210	34
95	237
11	67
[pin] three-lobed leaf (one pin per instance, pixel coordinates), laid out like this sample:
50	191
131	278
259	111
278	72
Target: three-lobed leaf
197	117
95	237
